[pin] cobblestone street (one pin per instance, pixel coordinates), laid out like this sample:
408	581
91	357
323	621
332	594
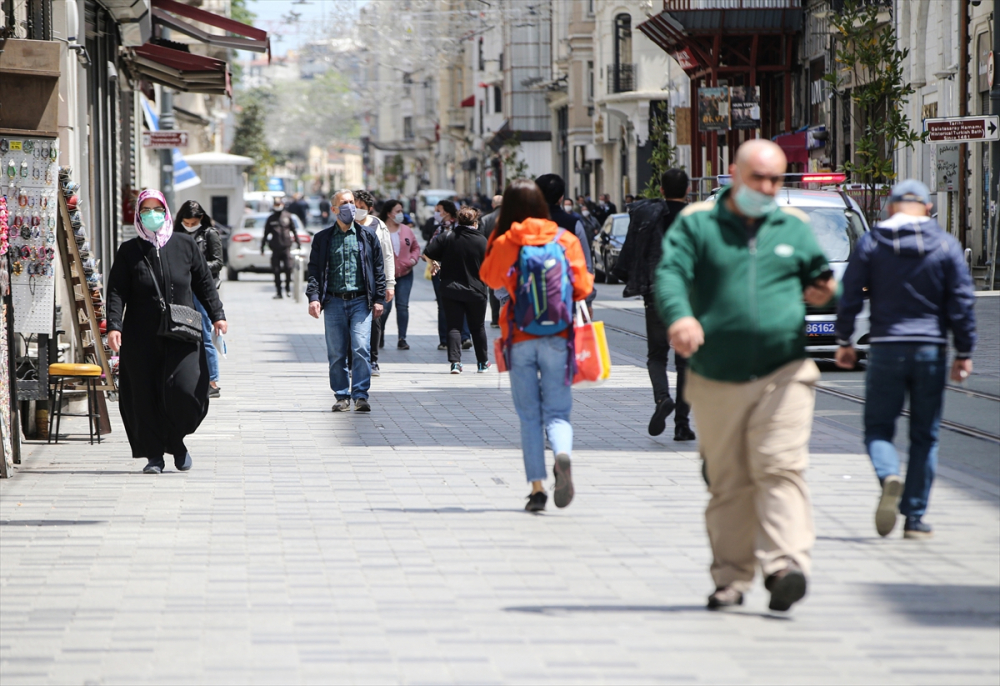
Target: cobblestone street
309	547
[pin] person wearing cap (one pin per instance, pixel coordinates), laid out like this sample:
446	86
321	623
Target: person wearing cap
914	274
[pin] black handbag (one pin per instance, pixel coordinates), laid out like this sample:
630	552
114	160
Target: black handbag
177	322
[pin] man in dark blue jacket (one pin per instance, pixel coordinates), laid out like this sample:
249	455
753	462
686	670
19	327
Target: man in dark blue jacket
554	188
919	287
347	284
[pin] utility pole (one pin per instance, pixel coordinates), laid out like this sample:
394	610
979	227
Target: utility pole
166	124
995	150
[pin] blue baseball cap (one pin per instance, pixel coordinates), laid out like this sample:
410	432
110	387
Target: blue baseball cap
910	190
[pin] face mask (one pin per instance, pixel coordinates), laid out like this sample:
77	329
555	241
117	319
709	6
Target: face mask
585	213
191	229
437	217
360	215
347	212
398	217
568	208
753	204
152	220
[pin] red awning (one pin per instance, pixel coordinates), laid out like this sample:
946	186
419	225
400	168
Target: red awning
181	70
794	145
246	38
469	101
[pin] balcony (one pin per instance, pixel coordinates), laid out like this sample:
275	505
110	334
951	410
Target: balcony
695	5
621	78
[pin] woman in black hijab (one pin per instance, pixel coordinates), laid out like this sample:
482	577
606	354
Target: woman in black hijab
163	382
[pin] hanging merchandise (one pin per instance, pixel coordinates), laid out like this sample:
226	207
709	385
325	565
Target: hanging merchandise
29	185
8	438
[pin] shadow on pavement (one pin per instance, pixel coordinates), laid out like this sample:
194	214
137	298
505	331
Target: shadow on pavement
444	510
557	610
48	522
941	605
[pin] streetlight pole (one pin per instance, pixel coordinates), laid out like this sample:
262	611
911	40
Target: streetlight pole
995	149
167	124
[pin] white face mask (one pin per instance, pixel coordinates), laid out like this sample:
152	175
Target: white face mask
191	229
568	208
398	217
585	213
360	215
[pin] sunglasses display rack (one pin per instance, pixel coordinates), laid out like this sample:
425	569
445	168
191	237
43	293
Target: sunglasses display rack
29	181
8	440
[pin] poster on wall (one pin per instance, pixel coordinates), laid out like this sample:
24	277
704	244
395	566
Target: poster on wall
744	105
713	109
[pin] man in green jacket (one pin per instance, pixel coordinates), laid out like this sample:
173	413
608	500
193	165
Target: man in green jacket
730	288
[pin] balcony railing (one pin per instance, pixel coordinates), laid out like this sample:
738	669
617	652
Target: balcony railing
686	5
621	78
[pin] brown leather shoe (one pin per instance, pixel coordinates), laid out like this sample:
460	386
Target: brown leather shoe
724	596
787	587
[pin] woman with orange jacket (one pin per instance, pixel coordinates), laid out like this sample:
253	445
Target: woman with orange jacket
538	375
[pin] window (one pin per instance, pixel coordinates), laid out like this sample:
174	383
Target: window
482	59
481	116
220	209
497	100
408	128
590	8
623	39
501	61
590	81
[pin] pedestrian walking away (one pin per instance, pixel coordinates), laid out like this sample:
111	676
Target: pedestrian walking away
914	275
649	221
365	203
279	235
300	208
445	213
405	256
460	253
553	188
541	366
347	286
486	226
192	218
730	288
163	381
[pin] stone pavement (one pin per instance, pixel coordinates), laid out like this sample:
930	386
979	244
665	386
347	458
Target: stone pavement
307	547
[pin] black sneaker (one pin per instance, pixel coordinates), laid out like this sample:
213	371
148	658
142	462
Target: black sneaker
277	297
787	587
442	346
494	325
375	370
724	596
153	467
214	392
361	405
402	345
467	344
182	462
658	422
917	529
683	432
456	367
536	502
888	505
342	405
482	367
562	494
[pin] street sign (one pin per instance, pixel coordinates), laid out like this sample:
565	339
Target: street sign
963	129
164	140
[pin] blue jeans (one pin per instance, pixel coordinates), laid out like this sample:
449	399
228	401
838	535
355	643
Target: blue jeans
404	284
211	354
348	327
442	320
896	370
543	404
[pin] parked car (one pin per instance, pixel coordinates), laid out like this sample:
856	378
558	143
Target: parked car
607	246
838	223
428	199
244	246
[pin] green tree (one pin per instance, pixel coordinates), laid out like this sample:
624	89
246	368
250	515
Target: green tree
663	155
392	174
510	156
249	139
238	10
308	112
869	82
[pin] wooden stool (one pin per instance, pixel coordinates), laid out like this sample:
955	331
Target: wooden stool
88	375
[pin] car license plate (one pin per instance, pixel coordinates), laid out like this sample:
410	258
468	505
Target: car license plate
819	328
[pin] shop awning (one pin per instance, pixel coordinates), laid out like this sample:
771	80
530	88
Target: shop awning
181	70
172	14
469	101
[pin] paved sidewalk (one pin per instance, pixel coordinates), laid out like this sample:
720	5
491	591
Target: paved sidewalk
393	547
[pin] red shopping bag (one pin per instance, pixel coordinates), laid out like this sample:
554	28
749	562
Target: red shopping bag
500	352
593	361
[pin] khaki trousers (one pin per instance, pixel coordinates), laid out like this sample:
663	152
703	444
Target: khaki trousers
754	438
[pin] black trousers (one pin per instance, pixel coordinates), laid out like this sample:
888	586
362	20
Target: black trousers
281	263
494	308
457	312
657	350
378	326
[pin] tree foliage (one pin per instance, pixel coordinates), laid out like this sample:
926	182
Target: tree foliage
664	155
513	166
869	82
307	112
250	139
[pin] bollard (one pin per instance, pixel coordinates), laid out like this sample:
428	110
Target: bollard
298	280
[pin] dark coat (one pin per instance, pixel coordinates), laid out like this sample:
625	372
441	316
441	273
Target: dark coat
488	223
163	383
210	245
649	221
461	252
279	232
372	265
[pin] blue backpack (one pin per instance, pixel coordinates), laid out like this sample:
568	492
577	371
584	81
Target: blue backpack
543	304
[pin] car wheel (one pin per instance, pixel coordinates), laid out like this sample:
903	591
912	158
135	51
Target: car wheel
232	274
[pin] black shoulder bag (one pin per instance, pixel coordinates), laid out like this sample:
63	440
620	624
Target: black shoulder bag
177	322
